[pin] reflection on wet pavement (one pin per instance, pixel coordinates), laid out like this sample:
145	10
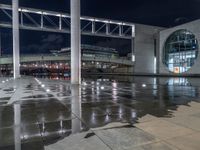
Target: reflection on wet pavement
36	112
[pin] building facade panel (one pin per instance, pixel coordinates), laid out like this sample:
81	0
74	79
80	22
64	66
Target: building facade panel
145	46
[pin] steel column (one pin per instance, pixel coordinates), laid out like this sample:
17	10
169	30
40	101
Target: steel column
0	46
107	28
17	129
42	21
22	20
15	24
132	43
120	30
132	49
76	108
60	23
93	27
75	42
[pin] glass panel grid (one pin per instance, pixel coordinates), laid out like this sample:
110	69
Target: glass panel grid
180	51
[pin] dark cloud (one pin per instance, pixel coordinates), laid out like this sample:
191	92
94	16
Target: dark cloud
122	46
57	39
44	44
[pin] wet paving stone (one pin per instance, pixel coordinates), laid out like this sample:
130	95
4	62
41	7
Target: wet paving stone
6	137
49	117
4	98
9	90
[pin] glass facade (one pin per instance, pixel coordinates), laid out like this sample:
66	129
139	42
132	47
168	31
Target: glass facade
180	51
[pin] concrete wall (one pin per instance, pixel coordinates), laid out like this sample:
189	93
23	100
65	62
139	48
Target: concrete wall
192	27
144	48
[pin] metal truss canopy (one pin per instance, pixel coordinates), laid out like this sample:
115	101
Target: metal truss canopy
50	21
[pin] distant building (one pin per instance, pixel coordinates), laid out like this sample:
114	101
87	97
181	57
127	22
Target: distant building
90	51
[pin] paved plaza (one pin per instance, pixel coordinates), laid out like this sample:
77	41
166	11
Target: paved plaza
103	114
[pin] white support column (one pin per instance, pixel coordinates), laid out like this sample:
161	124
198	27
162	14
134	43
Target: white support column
93	27
120	30
0	45
107	28
132	43
15	24
22	20
76	108
75	43
132	49
17	128
42	21
60	22
0	54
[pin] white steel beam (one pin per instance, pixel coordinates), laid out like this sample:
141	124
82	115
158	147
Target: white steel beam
53	13
61	28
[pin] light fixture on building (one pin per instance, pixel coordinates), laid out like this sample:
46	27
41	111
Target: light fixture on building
144	85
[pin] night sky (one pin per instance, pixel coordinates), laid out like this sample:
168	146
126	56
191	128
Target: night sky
166	13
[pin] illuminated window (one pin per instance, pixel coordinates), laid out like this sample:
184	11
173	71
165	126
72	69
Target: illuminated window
180	51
